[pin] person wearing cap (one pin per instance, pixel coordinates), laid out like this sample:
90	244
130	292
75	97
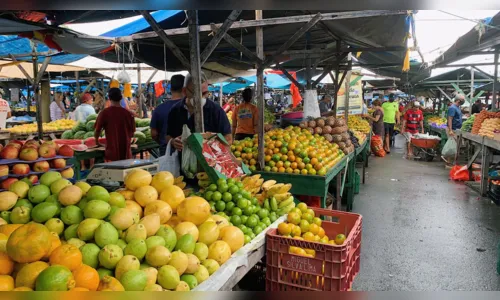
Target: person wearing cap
413	120
391	118
455	114
119	126
85	109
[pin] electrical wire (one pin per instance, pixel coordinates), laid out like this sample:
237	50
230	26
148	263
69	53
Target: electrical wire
480	22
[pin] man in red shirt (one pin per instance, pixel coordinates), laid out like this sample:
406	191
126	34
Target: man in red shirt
413	120
119	127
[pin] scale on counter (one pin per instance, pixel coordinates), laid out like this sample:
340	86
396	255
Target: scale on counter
113	173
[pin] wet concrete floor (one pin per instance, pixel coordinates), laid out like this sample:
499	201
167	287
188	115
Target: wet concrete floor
422	232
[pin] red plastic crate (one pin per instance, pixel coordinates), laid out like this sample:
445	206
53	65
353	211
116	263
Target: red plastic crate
334	267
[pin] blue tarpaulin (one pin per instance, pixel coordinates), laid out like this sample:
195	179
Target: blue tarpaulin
273	81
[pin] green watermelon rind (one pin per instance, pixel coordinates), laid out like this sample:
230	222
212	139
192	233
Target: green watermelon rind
90	126
67	135
92	117
141	137
79	135
88	135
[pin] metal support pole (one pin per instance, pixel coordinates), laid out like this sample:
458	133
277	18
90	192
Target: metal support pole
495	78
77	78
194	51
308	73
220	94
139	90
471	95
336	82
347	87
37	98
260	87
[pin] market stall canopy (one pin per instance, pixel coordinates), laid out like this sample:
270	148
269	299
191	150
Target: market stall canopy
10	69
488	87
482	37
460	77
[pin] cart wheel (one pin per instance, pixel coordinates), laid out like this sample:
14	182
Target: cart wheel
429	158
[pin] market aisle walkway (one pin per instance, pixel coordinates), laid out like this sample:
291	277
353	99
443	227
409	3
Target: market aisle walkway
422	232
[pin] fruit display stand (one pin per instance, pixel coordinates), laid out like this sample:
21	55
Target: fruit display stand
484	146
4	135
313	185
362	154
240	263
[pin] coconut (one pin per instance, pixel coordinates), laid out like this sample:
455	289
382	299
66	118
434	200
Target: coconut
311	124
339	122
328	137
318	130
327	129
320	122
311	130
303	124
330	121
341	145
337	138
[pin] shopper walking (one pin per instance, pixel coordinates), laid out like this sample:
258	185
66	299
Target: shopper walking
245	117
377	119
159	120
413	120
391	118
118	125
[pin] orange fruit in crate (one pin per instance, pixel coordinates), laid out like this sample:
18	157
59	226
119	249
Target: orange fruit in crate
66	255
6	264
284	229
311	252
293	217
296	231
86	277
314	229
321	233
308	236
324	239
339	239
302	206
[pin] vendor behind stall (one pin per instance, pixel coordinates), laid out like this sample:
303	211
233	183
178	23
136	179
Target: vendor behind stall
85	109
413	120
377	119
214	118
4	113
245	117
119	127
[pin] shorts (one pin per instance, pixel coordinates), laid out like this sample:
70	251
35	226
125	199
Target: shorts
389	129
408	135
242	136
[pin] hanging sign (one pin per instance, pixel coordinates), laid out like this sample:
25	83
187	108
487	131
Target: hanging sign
355	96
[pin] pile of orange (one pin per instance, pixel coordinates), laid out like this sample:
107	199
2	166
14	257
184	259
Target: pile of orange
292	150
302	224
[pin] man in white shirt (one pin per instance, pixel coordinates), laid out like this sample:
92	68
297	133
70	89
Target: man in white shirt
57	110
4	113
85	109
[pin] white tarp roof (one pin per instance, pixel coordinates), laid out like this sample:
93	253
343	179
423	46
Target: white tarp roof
9	69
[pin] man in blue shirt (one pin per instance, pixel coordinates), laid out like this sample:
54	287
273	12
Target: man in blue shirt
214	118
159	120
455	114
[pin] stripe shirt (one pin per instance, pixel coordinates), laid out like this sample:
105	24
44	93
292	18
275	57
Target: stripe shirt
413	118
55	111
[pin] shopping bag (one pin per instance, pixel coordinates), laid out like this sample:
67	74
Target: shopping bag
450	148
377	146
189	161
170	162
459	173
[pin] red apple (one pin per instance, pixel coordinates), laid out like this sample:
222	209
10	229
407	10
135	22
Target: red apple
4	170
9	152
41	166
20	143
52	143
28	154
66	150
68	173
47	150
58	163
15	145
33	179
32	142
20	169
7	182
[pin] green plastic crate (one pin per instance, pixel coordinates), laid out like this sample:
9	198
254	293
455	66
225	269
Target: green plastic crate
195	141
357	181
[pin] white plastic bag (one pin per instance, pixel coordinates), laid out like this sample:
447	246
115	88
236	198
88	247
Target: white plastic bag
189	160
170	162
450	148
311	104
123	77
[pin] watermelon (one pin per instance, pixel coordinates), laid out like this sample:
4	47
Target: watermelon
67	135
141	137
144	122
61	142
88	134
91	118
90	126
79	127
79	147
137	122
90	142
79	135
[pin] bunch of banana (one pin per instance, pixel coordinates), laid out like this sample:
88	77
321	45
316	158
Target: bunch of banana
179	181
252	184
281	208
203	180
277	190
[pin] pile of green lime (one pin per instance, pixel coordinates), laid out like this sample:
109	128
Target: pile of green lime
229	199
